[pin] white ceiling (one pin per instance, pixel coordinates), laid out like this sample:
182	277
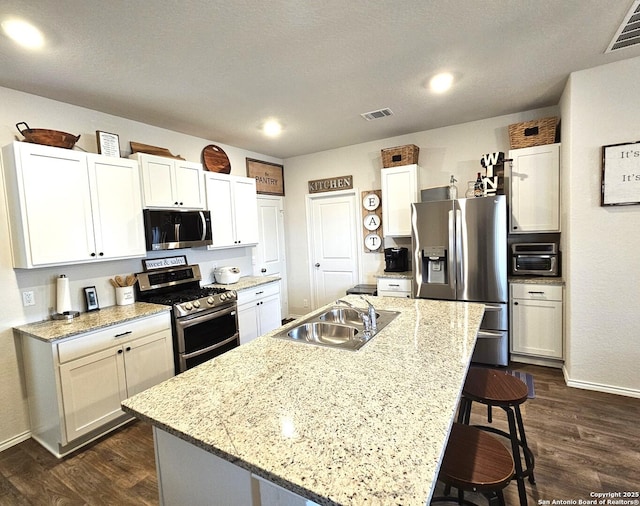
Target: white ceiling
217	69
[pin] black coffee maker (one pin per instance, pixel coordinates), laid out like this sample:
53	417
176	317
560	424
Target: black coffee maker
396	259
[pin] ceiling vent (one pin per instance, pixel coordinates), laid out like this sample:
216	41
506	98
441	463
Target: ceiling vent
380	113
629	32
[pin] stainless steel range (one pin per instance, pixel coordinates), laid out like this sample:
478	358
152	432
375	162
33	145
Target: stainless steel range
205	320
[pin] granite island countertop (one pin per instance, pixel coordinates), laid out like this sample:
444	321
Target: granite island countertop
334	426
55	330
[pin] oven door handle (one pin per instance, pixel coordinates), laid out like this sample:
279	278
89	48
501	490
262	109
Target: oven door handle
234	337
187	321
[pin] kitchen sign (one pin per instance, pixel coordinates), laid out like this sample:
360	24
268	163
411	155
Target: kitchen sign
331	184
269	176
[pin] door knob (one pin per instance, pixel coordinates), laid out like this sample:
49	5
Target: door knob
317	265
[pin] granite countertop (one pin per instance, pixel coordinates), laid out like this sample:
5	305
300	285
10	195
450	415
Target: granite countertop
395	275
538	280
247	282
334	426
55	330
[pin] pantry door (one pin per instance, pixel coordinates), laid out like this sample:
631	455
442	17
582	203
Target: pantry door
333	227
270	250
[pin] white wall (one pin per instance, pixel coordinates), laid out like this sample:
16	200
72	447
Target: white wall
601	244
43	113
444	151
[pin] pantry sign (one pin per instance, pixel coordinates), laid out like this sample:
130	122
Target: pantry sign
331	184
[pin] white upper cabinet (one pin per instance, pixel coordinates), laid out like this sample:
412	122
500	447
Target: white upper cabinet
69	207
170	183
400	188
535	189
117	206
232	201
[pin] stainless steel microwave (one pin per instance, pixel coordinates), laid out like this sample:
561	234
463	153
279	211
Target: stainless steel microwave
175	229
535	259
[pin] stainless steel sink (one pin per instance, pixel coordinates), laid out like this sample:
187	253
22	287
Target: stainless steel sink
338	327
343	315
327	334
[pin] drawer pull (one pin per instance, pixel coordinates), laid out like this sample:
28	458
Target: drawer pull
391	284
536	293
123	334
258	293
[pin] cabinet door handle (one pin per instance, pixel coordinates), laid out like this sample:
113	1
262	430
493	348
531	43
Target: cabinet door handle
263	270
128	348
515	303
317	265
120	351
123	334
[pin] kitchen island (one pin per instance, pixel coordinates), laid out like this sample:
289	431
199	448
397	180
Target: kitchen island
331	426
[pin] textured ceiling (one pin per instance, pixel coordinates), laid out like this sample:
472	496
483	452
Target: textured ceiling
218	69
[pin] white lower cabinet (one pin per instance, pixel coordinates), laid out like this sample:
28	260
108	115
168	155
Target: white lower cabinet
75	386
259	311
536	322
394	287
188	474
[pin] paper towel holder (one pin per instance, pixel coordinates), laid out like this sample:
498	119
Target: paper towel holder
63	284
67	315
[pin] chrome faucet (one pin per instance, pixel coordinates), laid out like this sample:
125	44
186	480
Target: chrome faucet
372	315
368	315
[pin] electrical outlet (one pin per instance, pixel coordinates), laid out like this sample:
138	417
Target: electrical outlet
28	299
305	303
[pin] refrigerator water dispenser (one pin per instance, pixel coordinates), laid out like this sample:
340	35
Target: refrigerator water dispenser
435	258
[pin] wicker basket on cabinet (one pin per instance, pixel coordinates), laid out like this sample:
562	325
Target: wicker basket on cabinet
533	133
400	155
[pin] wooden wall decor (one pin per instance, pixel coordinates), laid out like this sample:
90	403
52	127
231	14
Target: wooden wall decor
331	184
372	221
269	176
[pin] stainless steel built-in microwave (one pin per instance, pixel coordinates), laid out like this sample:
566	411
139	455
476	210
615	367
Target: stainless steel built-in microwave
535	259
174	229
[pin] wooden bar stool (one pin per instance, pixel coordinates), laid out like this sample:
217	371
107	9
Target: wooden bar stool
499	389
475	461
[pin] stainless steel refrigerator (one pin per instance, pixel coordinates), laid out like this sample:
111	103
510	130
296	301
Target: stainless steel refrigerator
460	253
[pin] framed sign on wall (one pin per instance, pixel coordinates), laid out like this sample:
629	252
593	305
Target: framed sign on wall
621	174
269	176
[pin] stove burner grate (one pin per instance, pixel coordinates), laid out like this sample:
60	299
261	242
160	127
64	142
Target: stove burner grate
179	297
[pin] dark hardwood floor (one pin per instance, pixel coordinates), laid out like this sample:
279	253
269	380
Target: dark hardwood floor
583	442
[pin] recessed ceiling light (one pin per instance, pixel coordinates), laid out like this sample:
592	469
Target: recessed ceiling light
23	33
441	82
272	128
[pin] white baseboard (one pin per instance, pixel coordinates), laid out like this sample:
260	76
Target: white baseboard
14	440
599	387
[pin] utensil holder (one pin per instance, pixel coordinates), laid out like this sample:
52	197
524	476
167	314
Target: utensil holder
125	295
